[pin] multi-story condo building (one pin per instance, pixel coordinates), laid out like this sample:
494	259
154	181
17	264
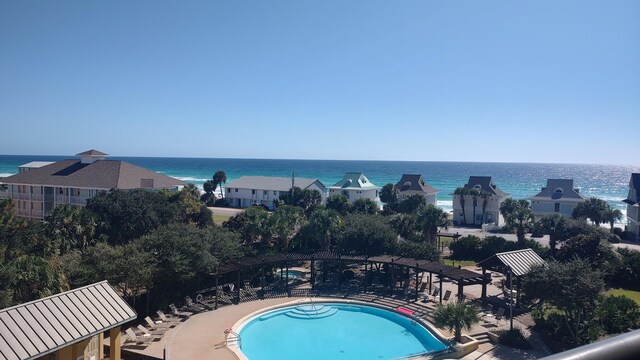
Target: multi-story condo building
414	184
558	197
633	206
355	186
39	187
481	208
265	190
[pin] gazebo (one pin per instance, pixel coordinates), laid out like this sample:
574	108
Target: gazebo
511	263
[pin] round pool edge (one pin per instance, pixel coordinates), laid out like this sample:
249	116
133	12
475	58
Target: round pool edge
238	325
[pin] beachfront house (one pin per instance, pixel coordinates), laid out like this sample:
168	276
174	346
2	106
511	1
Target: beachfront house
478	202
633	206
355	186
558	197
414	184
265	190
39	186
69	325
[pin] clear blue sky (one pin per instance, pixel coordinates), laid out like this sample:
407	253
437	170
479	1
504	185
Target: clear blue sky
524	81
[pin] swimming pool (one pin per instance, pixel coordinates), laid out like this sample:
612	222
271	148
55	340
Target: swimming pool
327	330
291	274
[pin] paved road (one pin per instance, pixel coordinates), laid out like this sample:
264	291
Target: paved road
225	211
482	234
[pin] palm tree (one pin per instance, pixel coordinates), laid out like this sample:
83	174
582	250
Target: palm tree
593	208
553	225
485	200
474	196
612	215
517	213
219	178
462	192
456	317
429	219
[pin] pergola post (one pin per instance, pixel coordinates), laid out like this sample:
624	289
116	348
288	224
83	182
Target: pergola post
313	273
440	276
286	283
460	288
416	270
339	273
430	281
238	286
484	287
114	343
518	293
366	269
215	303
392	283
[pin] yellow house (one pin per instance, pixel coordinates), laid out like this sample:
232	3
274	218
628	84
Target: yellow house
66	326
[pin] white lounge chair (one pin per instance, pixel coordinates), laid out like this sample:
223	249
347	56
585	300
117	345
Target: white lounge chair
173	320
138	340
157	325
182	314
154	333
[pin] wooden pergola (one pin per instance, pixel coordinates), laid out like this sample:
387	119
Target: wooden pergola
401	264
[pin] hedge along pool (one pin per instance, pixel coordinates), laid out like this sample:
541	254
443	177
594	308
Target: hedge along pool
327	330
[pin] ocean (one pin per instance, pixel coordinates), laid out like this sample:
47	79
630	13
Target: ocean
520	180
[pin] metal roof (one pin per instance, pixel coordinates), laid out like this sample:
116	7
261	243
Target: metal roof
272	183
520	261
354	181
40	327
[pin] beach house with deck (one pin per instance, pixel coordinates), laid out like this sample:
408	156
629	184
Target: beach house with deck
558	197
355	186
41	186
633	206
414	184
264	190
478	202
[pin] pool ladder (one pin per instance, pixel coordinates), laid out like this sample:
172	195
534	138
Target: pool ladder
313	305
231	337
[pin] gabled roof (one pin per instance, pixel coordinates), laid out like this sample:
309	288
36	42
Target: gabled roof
414	182
354	180
485	184
634	188
520	261
31	330
101	174
272	183
558	189
92	152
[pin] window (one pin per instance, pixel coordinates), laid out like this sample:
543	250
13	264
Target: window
274	193
253	192
557	207
265	192
236	190
61	191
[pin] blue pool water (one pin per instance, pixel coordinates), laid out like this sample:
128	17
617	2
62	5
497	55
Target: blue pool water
334	331
291	274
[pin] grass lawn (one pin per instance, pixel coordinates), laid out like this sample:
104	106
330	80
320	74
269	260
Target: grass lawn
458	262
634	295
219	219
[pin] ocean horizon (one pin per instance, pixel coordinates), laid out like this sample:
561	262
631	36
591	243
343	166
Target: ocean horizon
520	180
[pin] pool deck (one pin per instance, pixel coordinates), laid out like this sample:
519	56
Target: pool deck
202	335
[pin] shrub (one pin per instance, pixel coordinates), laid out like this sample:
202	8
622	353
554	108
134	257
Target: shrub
614	239
626	235
617	314
513	338
466	247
